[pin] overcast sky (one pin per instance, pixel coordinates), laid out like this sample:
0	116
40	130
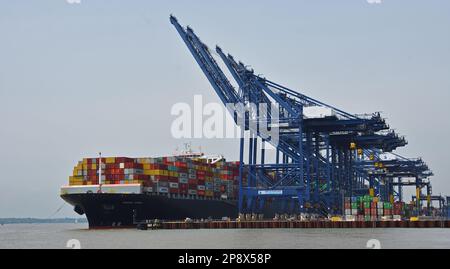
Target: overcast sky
102	75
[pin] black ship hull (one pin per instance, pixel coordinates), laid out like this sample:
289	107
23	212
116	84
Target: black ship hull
104	210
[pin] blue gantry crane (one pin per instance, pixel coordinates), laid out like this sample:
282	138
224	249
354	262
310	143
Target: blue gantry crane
322	152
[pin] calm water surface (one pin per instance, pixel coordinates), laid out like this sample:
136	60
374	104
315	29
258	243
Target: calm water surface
57	235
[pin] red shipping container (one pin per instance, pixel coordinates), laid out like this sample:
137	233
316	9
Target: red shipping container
159	167
201	193
184	191
147	184
91	178
180	164
159	178
173	190
124	160
129	165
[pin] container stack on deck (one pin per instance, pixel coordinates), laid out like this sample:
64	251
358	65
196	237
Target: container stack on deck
166	175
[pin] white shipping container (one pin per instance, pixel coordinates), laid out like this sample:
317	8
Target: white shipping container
350	218
318	112
173	185
183	180
148	189
354	212
192	192
201	187
116	188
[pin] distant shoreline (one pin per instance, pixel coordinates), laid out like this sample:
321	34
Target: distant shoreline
4	221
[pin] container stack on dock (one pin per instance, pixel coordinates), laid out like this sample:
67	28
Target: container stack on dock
166	175
368	208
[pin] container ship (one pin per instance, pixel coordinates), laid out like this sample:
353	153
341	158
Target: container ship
122	191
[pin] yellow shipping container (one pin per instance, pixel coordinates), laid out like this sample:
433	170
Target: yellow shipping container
209	193
156	172
110	160
336	219
147	166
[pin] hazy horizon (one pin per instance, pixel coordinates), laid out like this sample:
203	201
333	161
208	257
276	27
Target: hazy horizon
76	79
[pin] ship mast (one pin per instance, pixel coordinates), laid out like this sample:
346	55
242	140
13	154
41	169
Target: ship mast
100	173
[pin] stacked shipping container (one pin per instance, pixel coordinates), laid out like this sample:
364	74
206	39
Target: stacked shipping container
368	208
174	175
